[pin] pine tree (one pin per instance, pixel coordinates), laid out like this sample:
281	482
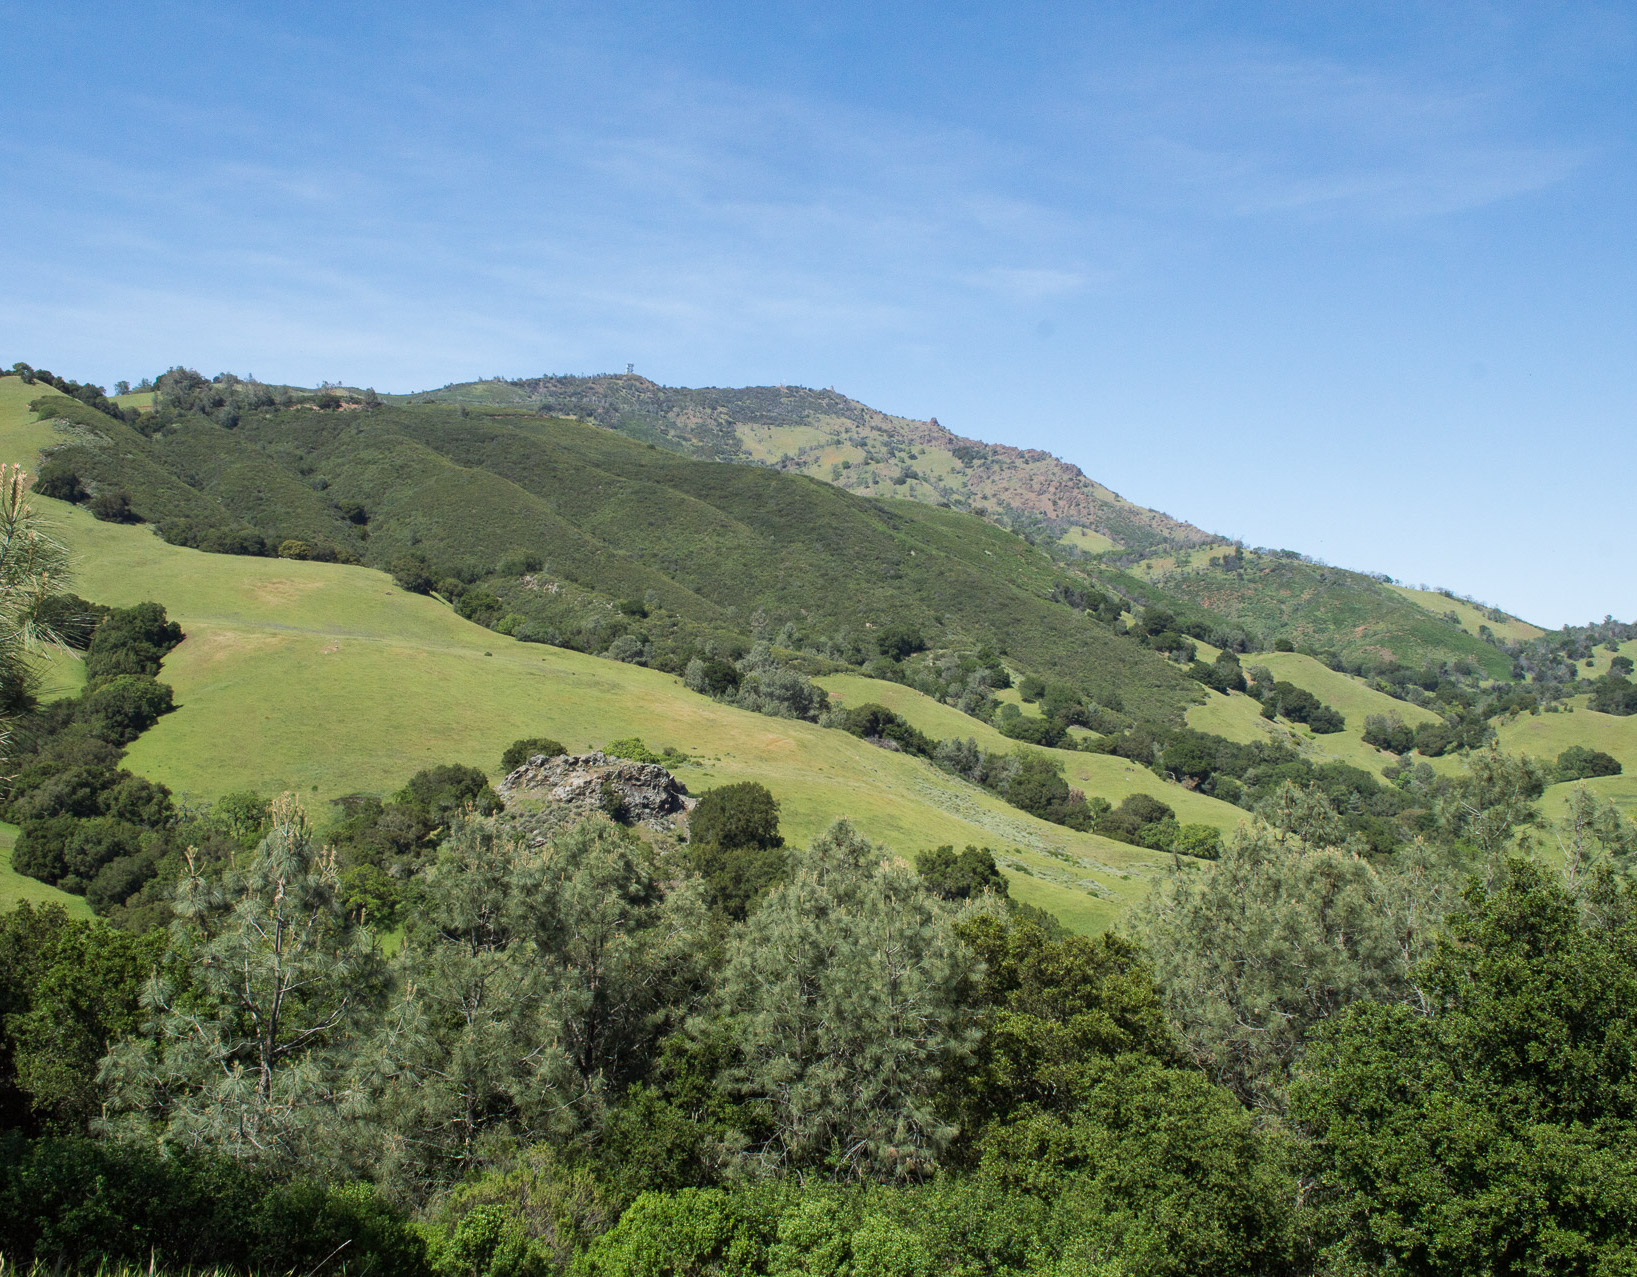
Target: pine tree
842	1001
1276	937
532	992
250	1026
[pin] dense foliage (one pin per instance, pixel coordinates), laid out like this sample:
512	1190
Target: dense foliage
1315	1061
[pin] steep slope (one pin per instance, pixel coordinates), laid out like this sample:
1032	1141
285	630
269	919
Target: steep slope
836	439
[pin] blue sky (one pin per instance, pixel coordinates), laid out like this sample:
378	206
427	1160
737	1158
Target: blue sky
1356	280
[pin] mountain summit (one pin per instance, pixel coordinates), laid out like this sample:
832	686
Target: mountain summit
841	441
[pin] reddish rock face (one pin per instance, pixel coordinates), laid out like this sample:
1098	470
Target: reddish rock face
647	791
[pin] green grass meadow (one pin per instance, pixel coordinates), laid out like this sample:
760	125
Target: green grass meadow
1545	736
1097	775
1239	717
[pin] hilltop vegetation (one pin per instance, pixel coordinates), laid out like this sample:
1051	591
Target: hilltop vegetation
828	436
349	684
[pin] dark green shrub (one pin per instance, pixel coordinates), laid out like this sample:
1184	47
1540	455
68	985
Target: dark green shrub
735	845
897	642
114	506
1579	763
711	676
520	751
518	563
123	708
1434	739
1044	732
877	722
41	850
960	875
118	880
76	1203
1614	695
59	482
441	792
412	573
130	640
741	815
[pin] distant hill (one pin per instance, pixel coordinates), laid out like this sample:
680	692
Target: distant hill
1362	619
846	443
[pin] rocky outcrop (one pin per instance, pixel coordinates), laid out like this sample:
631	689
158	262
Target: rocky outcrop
595	782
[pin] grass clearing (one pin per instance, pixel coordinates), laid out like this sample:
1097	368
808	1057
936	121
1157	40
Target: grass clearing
1087	540
1098	775
1239	717
1545	736
16	888
1601	658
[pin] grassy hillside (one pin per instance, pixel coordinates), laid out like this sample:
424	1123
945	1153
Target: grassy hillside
830	437
1098	775
1545	736
327	679
719	553
1472	618
1239	717
1314	606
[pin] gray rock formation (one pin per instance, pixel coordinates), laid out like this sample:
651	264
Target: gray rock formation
646	791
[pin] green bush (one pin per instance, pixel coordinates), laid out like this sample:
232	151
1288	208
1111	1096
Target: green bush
735	845
113	505
412	573
1203	841
1045	733
960	875
60	482
76	1203
520	751
130	640
1579	763
124	707
877	722
444	791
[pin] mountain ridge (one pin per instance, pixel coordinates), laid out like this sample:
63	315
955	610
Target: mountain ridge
840	440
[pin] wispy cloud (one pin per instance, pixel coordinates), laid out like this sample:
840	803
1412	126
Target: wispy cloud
1243	132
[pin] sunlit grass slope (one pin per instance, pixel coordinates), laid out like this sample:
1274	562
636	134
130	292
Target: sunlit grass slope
1471	618
1276	596
1545	736
1602	657
327	680
1239	717
1098	775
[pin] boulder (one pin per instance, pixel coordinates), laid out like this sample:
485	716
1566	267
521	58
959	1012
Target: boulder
647	792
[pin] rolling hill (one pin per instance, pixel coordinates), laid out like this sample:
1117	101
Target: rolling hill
1360	618
567	523
326	679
